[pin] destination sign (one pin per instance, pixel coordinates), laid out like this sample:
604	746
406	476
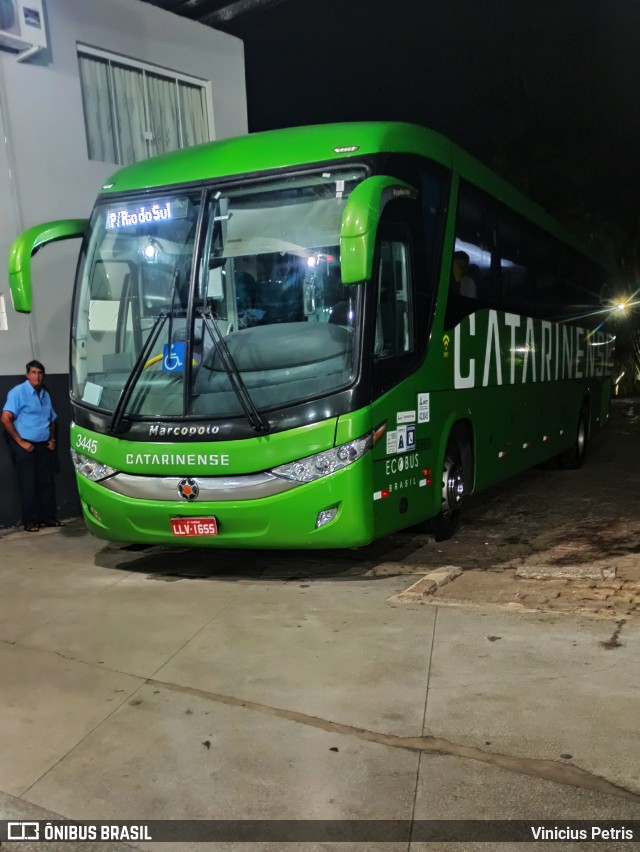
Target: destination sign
142	214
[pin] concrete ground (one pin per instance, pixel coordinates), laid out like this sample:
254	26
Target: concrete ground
130	691
142	684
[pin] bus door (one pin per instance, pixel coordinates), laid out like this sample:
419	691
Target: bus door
400	306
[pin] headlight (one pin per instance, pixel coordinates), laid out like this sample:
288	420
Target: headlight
322	464
91	468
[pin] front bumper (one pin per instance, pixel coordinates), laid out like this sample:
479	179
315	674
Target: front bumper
283	520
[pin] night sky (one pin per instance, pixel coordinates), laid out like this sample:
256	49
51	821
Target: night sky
544	91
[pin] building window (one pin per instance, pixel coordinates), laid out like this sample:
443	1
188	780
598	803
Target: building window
134	111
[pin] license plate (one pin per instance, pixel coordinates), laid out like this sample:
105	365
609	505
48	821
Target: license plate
194	526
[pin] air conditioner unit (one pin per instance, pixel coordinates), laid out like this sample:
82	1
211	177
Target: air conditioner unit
22	25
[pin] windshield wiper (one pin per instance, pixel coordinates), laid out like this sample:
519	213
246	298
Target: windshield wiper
134	375
138	367
252	414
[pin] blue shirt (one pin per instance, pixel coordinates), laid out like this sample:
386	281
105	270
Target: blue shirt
32	412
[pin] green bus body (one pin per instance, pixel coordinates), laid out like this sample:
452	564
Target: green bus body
319	430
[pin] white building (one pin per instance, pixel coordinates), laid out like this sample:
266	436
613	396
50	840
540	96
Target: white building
114	81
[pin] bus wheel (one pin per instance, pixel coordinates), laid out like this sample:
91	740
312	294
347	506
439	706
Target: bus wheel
445	523
574	457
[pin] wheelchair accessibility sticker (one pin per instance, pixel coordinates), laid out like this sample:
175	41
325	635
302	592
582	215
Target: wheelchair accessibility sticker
173	358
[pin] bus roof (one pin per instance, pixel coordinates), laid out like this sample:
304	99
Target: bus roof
293	147
279	149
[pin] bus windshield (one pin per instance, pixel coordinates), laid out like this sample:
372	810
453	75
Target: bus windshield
207	303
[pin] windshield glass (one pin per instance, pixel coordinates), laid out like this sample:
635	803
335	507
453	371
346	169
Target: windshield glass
266	280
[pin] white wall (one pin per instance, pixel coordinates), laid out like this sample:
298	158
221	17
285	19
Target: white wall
45	172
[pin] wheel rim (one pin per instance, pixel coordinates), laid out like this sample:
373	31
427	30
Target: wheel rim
452	487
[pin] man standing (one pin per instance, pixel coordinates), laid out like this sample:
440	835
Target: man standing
29	420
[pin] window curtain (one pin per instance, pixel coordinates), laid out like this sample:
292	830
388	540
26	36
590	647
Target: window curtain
193	111
98	117
128	87
131	114
163	114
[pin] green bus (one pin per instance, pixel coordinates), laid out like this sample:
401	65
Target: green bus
314	337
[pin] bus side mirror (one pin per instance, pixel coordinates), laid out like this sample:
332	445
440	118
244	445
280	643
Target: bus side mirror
360	223
26	245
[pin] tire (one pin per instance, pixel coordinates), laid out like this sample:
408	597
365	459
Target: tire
574	457
446	522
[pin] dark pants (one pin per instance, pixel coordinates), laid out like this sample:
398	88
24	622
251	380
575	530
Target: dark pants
35	479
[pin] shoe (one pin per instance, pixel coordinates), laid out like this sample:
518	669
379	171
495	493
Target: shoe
31	528
51	524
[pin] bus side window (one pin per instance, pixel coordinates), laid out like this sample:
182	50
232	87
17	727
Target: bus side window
401	296
394	327
517	264
472	278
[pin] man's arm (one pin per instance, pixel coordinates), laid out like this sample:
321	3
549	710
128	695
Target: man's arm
51	443
53	425
7	422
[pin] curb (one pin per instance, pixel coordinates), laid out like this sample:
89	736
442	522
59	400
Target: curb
427	585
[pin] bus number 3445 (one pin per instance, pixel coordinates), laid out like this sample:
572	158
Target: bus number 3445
89	445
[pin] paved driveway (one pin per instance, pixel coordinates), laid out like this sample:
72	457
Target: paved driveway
149	684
